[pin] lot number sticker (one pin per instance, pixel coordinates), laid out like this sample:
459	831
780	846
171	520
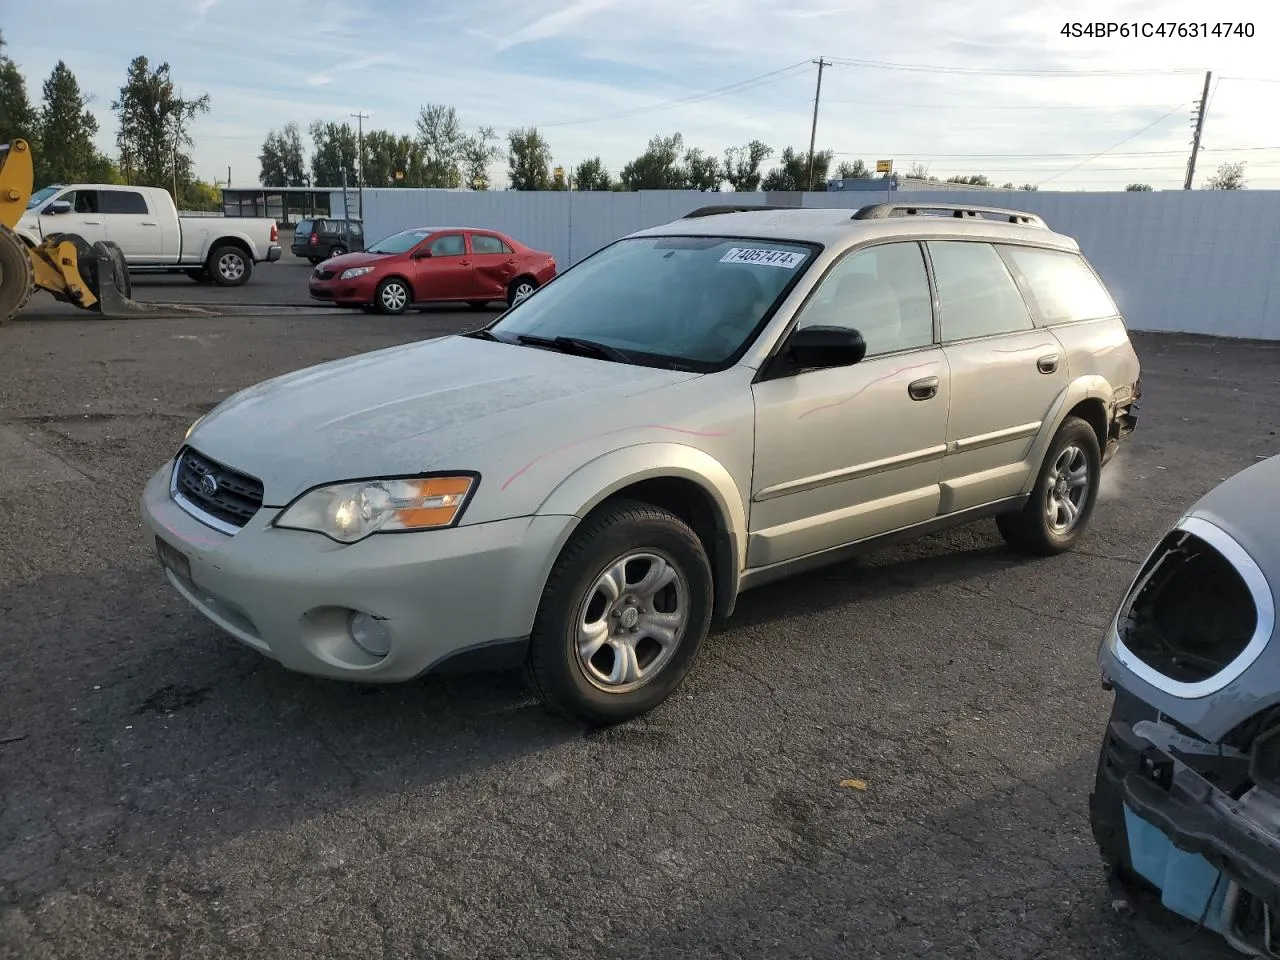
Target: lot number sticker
765	258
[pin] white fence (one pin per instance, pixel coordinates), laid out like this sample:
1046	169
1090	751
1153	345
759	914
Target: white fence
1186	261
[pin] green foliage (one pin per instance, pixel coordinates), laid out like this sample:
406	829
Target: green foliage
1138	188
976	179
334	149
792	172
702	171
659	167
528	160
18	118
154	139
857	170
282	160
742	166
67	128
592	175
1230	176
443	144
478	151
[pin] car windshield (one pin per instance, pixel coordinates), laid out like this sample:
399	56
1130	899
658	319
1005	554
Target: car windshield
399	242
693	302
41	195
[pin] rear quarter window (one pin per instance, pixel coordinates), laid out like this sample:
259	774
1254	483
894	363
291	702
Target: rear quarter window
1189	613
1060	285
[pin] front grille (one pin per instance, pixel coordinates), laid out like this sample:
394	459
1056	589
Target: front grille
325	274
224	494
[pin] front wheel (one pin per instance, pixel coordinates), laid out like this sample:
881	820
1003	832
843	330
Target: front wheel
622	617
392	296
1062	500
230	266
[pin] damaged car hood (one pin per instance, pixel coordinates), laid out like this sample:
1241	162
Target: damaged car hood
444	404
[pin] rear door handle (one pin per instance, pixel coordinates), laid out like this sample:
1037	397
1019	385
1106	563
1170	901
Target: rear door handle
925	389
1047	364
148	223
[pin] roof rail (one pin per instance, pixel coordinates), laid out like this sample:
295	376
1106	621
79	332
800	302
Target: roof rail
882	211
736	208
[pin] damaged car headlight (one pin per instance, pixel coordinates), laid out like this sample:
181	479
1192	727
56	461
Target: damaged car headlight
348	512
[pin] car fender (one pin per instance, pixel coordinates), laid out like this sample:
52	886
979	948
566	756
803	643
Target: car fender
1087	387
593	482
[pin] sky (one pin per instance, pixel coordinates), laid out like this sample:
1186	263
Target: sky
984	86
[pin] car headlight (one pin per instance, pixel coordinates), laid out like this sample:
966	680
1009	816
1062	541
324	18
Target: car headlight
355	272
348	512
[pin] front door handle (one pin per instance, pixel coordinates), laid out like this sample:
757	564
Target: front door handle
96	223
1047	364
925	389
464	263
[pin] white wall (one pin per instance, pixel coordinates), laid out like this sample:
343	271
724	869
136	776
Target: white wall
1187	261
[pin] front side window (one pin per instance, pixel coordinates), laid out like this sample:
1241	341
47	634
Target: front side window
696	302
1063	287
977	295
453	245
882	292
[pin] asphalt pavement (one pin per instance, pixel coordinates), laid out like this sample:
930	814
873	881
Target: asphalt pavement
166	792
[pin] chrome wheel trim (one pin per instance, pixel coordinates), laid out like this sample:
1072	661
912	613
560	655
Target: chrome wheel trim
231	266
1067	489
394	296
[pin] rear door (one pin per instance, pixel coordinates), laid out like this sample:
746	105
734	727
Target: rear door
1006	374
134	227
495	265
446	274
85	218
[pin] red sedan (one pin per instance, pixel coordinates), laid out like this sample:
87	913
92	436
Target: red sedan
433	265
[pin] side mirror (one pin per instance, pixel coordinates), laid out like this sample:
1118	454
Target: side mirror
58	206
818	346
422	254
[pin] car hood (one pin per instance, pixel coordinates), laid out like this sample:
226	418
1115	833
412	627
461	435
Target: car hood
349	260
410	409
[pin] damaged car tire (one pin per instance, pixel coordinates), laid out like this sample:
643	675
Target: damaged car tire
1064	494
623	615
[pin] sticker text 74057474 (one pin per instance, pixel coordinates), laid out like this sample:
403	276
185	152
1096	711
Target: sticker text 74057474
786	259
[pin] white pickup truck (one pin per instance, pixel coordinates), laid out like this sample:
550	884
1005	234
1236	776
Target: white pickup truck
144	223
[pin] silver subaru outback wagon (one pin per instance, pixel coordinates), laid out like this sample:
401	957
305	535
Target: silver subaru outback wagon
695	409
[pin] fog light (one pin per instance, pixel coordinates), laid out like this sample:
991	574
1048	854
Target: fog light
369	634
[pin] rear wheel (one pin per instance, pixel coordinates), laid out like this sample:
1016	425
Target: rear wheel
392	296
521	288
336	250
623	615
1062	500
230	266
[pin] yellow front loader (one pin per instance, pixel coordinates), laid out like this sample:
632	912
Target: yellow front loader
92	277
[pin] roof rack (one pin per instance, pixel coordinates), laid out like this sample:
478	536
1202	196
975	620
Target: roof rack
882	211
736	208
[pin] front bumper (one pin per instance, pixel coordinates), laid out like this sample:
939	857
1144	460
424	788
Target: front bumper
345	293
466	592
1191	812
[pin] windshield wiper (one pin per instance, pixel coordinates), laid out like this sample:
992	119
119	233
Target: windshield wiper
579	346
483	334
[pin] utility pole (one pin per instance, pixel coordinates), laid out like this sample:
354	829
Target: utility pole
1202	105
360	119
813	132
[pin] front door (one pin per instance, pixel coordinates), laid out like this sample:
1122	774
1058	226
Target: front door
1006	375
446	274
851	452
85	218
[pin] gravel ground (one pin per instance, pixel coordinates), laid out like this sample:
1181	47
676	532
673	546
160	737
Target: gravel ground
166	792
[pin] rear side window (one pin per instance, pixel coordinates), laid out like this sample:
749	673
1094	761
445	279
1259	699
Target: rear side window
304	226
124	201
976	293
1190	613
481	243
1061	285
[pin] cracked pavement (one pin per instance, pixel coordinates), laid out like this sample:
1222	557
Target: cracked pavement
166	792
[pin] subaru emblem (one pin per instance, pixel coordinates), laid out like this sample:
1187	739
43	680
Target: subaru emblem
209	485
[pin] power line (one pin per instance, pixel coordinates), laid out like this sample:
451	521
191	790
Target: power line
982	71
863	101
1109	149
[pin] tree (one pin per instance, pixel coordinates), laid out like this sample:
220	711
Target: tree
478	151
857	170
742	165
528	160
1008	185
792	172
334	149
592	175
1230	176
67	129
154	140
1139	188
702	171
659	167
919	171
282	159
18	118
443	146
976	179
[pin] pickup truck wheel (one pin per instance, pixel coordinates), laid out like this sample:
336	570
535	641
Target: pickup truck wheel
230	266
1064	494
622	616
200	275
392	296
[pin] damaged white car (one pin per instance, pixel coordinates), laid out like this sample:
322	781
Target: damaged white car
1187	798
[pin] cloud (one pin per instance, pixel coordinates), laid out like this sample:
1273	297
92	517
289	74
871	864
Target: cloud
555	24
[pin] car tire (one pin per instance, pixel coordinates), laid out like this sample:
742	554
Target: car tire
392	297
229	266
200	275
519	289
629	670
337	250
1068	481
